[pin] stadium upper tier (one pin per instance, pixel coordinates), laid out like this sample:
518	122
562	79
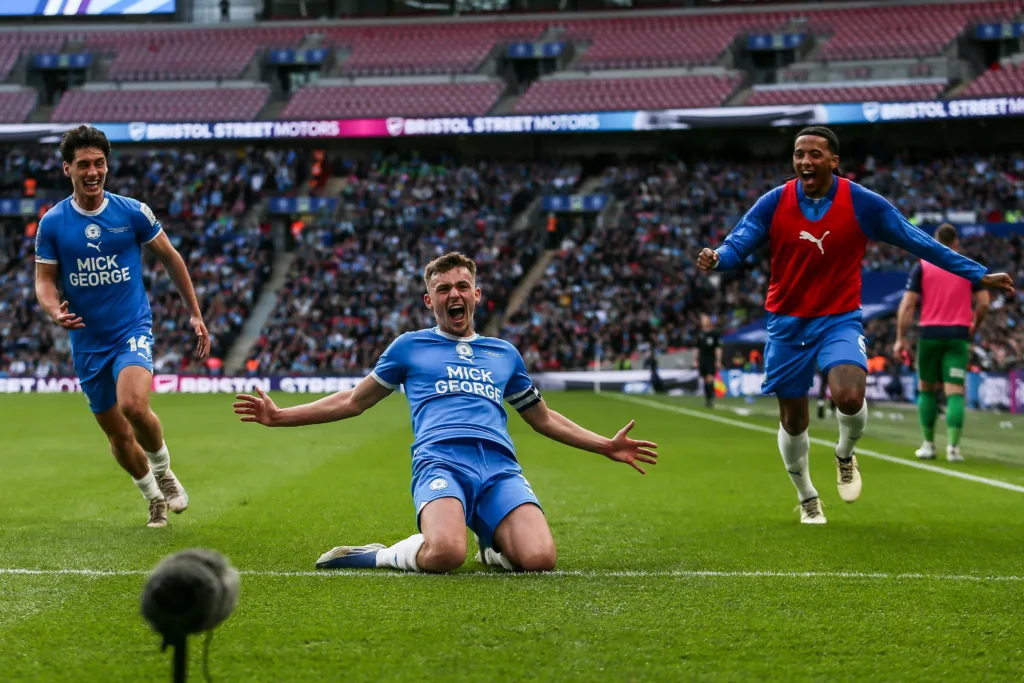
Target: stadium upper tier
405	99
654	92
1006	80
194	104
622	41
846	93
16	105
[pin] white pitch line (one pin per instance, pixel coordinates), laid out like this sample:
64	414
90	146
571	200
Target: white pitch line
822	442
563	573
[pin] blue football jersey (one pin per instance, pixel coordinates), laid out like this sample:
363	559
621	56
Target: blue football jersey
456	385
99	256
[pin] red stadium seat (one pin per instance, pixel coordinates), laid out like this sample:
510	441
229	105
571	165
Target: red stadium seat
1006	80
206	104
604	94
848	93
407	99
15	106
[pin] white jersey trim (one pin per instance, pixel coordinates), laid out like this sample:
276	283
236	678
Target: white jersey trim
52	262
154	236
96	212
380	381
472	337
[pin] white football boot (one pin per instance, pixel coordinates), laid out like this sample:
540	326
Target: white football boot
848	479
174	492
953	454
810	512
926	451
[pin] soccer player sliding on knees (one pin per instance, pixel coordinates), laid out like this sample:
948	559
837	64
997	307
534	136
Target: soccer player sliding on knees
464	466
817	226
92	244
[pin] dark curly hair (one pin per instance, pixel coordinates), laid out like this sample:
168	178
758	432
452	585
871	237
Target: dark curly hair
80	138
822	132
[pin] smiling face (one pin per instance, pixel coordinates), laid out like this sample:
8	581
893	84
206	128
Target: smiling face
88	172
453	296
814	164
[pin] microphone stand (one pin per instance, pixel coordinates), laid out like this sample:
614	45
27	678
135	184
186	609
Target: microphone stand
180	658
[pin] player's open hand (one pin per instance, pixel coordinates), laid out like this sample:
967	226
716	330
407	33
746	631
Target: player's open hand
1000	281
202	337
708	259
259	409
67	320
630	451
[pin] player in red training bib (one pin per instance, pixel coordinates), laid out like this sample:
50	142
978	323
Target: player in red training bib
817	226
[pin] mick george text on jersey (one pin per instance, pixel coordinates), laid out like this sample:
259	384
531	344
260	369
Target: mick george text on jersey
475	381
98	270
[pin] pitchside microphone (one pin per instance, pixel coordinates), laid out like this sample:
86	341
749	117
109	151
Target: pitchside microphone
189	592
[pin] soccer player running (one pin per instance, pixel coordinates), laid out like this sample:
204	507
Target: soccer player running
944	349
464	467
709	357
817	226
89	246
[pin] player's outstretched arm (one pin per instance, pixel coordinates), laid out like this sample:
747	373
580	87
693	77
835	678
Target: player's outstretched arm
178	271
339	406
883	221
749	234
619	448
49	300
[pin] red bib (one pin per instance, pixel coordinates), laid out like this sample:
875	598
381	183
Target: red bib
815	264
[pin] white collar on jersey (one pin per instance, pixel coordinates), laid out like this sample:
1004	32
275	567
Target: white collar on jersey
444	334
94	212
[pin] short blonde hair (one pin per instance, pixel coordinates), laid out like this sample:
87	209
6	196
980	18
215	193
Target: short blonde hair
449	261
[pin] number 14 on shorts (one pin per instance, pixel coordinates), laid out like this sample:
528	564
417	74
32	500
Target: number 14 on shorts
141	342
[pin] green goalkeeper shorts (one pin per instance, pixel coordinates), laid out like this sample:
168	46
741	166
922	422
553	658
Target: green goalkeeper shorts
943	360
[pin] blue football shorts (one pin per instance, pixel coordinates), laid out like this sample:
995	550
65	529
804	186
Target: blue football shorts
789	369
98	370
484	476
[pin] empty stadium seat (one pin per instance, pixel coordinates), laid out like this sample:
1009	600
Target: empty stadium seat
423	48
14	44
604	94
1004	80
155	55
901	31
408	99
851	93
207	104
15	106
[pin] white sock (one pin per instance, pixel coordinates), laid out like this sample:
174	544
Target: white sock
493	558
147	485
160	461
401	555
794	451
850	429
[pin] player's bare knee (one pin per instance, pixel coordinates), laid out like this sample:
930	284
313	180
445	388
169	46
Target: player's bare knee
443	554
538	559
136	411
849	400
795	424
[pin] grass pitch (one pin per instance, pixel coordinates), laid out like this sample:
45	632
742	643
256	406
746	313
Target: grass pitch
698	571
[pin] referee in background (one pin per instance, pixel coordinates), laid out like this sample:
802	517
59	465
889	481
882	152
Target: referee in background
943	351
709	357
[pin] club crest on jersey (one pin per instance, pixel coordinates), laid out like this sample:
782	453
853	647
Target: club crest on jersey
92	231
439	484
465	351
